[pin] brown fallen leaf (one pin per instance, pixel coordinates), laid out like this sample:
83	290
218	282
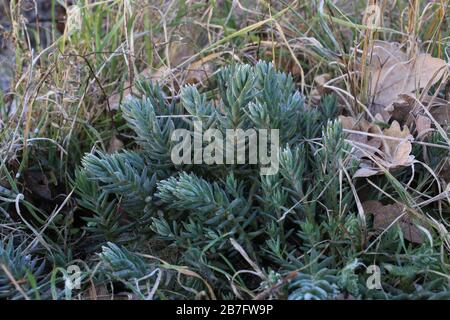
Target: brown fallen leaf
319	90
115	144
423	125
397	153
392	73
408	107
368	143
320	81
390	152
200	70
399	111
441	113
384	216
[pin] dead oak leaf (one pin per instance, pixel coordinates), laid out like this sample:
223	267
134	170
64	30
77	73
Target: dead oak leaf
360	135
441	113
392	73
394	152
391	146
393	214
408	107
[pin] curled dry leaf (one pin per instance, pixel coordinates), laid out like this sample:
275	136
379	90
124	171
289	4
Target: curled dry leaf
384	217
389	148
392	73
395	150
366	144
408	107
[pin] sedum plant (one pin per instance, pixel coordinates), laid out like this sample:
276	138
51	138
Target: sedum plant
19	269
228	223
